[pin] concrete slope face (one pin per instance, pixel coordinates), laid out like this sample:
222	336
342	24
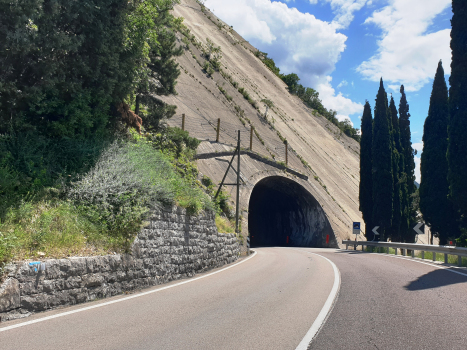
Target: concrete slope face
324	162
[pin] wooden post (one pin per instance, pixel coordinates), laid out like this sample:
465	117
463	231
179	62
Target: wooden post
218	129
183	121
251	137
286	154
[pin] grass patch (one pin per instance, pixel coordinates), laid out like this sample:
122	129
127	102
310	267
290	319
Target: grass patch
52	228
224	225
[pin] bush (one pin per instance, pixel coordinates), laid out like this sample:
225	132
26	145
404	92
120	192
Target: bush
127	181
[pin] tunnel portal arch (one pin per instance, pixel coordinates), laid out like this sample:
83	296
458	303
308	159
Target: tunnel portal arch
281	212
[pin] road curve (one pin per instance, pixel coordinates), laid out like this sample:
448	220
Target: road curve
270	302
395	303
267	302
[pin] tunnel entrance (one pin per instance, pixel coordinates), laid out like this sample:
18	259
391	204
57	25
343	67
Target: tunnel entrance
283	213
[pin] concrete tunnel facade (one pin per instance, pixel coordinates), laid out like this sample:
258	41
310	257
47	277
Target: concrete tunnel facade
282	212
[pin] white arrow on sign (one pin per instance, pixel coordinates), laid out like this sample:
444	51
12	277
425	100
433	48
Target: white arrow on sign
375	230
417	228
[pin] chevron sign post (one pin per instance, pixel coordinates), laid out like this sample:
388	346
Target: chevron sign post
419	228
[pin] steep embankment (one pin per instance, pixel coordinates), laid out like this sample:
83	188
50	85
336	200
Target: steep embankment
329	158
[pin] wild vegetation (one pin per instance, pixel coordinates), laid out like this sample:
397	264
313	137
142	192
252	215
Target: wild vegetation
309	96
84	156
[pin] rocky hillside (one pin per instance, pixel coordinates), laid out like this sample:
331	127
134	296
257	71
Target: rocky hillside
230	83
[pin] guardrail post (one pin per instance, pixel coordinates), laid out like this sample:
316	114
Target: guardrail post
183	121
459	260
423	254
395	251
413	253
218	129
286	153
404	252
445	258
434	256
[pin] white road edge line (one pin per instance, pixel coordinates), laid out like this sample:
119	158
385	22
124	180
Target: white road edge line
327	307
447	268
122	299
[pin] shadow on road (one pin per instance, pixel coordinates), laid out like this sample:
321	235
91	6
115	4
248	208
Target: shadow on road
435	279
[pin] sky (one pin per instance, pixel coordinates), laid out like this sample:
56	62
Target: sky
342	48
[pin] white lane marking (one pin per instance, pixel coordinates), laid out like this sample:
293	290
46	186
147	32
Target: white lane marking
447	268
323	314
122	299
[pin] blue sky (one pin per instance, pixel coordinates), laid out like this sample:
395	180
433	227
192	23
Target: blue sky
341	48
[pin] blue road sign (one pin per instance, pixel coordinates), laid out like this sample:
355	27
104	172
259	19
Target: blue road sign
356	228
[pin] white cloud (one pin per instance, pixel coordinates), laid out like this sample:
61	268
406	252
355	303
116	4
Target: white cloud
417	169
342	83
407	53
298	42
344	11
418	146
342	105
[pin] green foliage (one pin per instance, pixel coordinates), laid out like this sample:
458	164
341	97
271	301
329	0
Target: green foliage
224	225
407	207
366	178
438	211
382	163
394	231
457	157
309	96
269	62
127	181
54	227
61	72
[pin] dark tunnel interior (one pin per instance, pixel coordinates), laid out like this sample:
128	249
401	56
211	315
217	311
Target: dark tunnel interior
283	213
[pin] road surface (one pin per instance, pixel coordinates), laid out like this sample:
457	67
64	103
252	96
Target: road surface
269	302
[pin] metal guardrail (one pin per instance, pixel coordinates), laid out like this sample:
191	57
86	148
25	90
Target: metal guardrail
412	247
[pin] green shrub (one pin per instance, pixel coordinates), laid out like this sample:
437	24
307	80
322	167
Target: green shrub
127	181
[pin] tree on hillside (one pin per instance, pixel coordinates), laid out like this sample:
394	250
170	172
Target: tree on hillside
161	71
457	145
408	211
382	165
396	170
436	208
291	80
366	178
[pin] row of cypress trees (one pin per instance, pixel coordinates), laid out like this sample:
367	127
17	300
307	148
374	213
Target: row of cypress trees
387	180
443	191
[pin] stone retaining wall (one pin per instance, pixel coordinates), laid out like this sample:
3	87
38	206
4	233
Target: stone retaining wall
173	246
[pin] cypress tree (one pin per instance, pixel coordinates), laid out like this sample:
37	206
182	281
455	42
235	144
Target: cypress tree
366	180
382	165
397	176
408	212
457	145
435	206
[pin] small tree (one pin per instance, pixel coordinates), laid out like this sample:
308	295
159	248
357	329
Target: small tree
268	104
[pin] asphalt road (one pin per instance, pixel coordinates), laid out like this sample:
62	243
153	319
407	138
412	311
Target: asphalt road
270	302
267	302
395	303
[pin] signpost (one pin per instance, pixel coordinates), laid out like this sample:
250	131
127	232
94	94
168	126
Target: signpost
356	228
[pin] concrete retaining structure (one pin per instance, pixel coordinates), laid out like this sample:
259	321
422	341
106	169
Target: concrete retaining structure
174	245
